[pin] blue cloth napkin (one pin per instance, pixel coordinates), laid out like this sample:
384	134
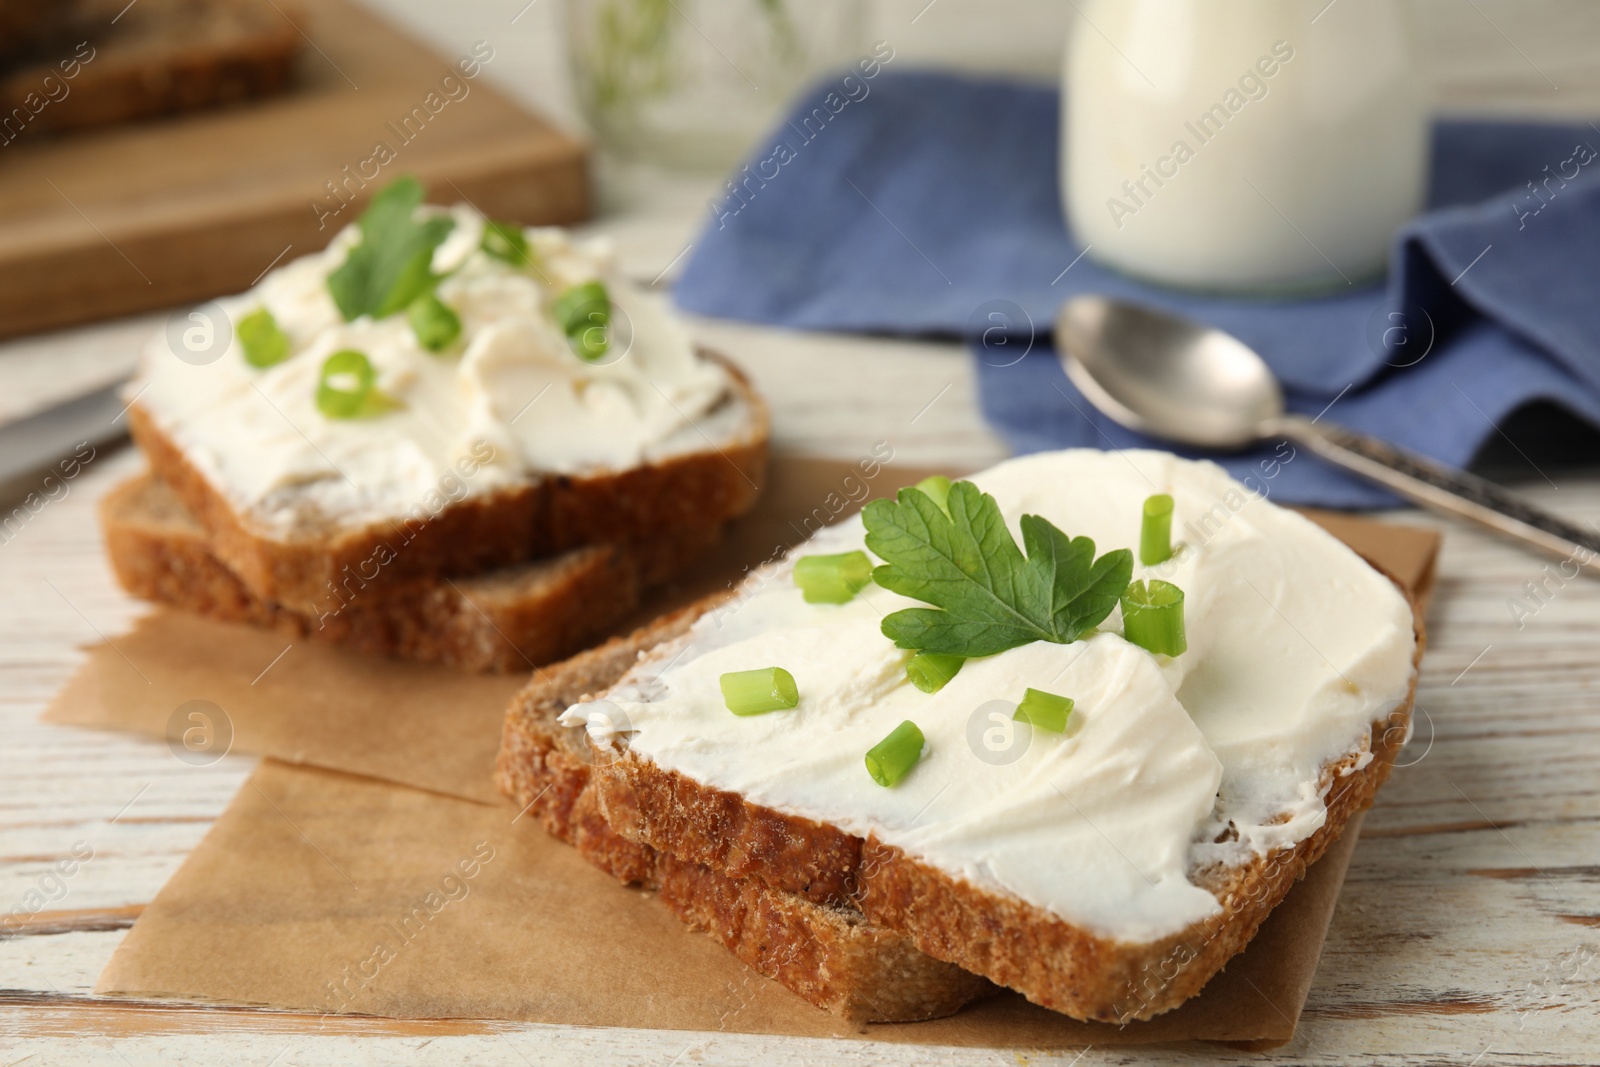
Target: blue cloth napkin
929	201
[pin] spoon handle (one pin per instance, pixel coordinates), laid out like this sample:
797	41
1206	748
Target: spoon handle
1452	492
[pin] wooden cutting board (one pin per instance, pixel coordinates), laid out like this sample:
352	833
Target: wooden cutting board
170	212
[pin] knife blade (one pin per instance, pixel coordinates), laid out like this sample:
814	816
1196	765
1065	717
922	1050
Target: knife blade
33	443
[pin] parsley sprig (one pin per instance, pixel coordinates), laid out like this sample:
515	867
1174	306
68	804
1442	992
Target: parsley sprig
988	597
393	263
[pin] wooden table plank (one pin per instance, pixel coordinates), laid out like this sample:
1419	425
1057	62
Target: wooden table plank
1468	931
1475	890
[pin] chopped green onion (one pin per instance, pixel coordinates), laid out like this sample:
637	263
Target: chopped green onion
938	489
932	671
1152	617
760	691
507	242
584	314
347	387
1047	711
891	759
1155	534
434	323
575	305
832	579
264	342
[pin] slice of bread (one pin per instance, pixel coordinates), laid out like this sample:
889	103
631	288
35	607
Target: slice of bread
26	26
504	620
1226	767
1015	944
828	954
107	61
713	479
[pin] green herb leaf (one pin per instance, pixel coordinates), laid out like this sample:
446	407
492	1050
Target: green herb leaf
393	263
264	342
987	596
938	487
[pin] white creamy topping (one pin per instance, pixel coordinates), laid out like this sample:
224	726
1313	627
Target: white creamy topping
1295	647
510	383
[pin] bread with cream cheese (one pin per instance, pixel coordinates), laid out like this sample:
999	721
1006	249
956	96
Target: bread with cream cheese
505	620
303	572
828	954
1051	962
514	398
1278	607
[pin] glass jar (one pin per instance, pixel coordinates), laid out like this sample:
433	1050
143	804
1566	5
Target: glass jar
692	83
1267	146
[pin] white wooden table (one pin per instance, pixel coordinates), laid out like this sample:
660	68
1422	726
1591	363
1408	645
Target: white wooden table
1469	928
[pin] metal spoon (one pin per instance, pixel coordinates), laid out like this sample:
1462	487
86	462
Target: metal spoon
1171	378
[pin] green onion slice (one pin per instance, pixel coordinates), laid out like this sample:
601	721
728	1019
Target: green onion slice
1155	534
584	314
938	489
932	671
1152	617
264	342
347	387
1047	711
434	323
759	691
832	579
891	759
507	242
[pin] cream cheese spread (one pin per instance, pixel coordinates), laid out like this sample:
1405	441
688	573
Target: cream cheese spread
1296	646
510	387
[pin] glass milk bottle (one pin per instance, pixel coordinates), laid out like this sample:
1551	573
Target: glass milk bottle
1254	146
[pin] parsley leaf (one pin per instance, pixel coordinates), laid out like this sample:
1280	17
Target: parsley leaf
392	265
987	596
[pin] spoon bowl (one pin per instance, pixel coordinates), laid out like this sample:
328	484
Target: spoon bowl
1166	376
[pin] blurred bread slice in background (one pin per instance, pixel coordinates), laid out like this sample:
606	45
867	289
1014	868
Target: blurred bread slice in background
92	63
509	619
27	25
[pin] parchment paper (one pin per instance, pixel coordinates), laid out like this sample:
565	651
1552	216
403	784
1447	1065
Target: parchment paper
303	701
325	892
330	886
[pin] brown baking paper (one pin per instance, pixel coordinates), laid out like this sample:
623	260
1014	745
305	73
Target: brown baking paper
325	892
334	892
305	702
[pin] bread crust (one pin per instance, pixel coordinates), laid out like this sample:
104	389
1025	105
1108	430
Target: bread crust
547	516
1068	969
696	822
988	931
830	956
506	621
